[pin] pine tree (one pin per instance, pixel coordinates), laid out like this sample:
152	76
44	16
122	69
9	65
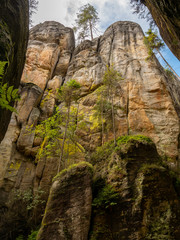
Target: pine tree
105	107
67	93
58	131
143	12
33	4
86	21
153	43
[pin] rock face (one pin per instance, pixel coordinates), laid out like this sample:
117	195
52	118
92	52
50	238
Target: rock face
133	198
143	201
146	103
14	27
70	201
49	52
143	99
166	16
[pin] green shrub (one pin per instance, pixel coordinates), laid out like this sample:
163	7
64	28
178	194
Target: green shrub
106	198
20	237
123	143
33	235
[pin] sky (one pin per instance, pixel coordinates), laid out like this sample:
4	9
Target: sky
64	11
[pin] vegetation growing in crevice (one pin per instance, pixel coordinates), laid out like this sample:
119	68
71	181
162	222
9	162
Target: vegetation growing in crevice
59	131
106	198
7	94
31	236
160	228
31	200
123	143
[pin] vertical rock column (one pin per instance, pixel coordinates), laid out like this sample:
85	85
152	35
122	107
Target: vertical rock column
68	210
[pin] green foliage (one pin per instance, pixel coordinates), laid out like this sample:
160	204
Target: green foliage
33	4
30	200
111	77
143	12
169	73
71	167
59	131
153	42
69	92
106	198
102	153
7	94
2	67
51	130
159	229
33	235
122	144
20	237
105	108
86	21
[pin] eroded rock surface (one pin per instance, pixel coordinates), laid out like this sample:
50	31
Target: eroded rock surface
146	101
133	197
49	52
68	210
14	27
144	207
166	16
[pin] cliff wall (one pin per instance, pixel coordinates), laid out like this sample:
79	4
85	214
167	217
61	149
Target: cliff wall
14	28
146	103
166	16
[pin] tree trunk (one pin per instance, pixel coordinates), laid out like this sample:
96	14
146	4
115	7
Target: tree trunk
168	64
102	123
90	27
113	118
64	139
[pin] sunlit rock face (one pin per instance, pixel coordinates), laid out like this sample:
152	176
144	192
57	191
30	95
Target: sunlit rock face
146	101
49	52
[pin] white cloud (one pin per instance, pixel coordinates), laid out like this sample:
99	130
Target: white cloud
64	11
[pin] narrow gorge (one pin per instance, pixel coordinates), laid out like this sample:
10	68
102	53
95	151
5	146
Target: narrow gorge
124	191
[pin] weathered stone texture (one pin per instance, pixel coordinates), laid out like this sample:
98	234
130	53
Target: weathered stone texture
147	103
166	16
147	197
49	52
68	210
14	21
146	100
